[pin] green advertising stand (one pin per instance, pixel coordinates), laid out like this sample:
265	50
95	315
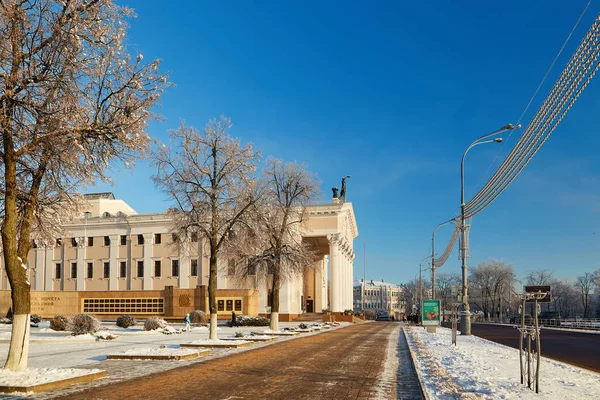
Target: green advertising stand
430	314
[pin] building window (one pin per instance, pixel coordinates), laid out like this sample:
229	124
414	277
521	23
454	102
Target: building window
107	270
220	305
194	236
174	237
174	267
57	274
140	239
106	241
90	241
157	238
251	268
194	267
73	242
157	266
123	271
229	305
140	272
238	305
123	240
231	267
74	270
90	270
59	242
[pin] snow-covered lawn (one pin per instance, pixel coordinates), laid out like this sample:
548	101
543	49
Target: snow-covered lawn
480	369
34	377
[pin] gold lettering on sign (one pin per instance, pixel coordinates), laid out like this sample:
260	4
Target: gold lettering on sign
184	300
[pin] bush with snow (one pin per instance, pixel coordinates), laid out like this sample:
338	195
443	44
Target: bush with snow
125	321
154	323
198	317
303	326
35	319
244	320
60	323
5	321
82	324
240	334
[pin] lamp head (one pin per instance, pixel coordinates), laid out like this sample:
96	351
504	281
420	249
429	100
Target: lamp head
498	140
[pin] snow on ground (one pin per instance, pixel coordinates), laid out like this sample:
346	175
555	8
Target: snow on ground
158	351
208	342
480	369
40	376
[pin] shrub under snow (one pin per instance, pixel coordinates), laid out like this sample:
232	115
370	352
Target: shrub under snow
82	324
125	321
153	323
198	317
244	320
35	319
60	323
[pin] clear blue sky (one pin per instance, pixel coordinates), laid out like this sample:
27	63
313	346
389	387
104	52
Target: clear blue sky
391	93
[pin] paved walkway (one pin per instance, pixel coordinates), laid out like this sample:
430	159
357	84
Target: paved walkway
346	363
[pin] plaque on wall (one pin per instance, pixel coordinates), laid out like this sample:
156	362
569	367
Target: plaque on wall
229	305
238	305
220	305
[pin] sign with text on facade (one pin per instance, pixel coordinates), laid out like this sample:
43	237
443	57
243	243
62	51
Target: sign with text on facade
431	312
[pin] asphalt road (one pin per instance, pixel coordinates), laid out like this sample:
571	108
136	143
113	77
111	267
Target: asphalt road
580	349
345	363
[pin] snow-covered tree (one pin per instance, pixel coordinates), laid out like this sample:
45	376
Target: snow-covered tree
271	246
209	177
72	101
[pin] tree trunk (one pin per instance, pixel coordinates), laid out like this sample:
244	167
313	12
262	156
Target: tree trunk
15	267
19	344
275	295
212	292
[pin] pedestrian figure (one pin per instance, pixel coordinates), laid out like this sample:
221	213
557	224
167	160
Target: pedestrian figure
187	322
233	318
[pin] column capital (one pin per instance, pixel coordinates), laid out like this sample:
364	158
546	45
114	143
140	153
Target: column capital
114	240
148	238
334	238
80	240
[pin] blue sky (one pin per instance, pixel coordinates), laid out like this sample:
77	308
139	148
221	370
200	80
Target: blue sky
391	93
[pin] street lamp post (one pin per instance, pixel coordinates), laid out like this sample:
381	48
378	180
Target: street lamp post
465	320
433	256
421	287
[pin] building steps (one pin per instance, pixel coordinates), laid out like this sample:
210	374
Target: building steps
309	317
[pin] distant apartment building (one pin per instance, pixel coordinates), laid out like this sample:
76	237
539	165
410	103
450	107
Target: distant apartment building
379	296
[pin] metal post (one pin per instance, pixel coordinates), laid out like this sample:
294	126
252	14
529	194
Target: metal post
364	285
538	348
420	296
465	322
522	331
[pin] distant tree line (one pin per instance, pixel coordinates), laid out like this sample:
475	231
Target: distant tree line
494	291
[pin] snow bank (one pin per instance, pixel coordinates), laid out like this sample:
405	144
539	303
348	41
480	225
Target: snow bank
478	368
158	351
32	377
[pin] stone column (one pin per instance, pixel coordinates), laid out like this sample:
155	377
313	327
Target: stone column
334	267
351	274
113	280
38	284
50	268
80	282
184	264
148	242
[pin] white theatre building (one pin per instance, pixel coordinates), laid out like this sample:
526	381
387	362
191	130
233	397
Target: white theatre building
113	248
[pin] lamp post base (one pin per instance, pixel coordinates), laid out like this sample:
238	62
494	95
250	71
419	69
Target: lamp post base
465	323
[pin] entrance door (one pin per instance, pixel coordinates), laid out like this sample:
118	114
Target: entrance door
309	306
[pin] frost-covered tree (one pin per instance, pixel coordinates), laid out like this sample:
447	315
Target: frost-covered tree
209	177
72	101
273	243
585	285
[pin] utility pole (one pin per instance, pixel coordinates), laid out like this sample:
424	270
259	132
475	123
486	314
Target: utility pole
364	285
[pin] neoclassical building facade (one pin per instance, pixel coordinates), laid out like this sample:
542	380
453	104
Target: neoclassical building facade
113	248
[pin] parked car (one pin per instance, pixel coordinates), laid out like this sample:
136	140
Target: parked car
516	319
384	317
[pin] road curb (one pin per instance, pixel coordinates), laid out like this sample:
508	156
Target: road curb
413	363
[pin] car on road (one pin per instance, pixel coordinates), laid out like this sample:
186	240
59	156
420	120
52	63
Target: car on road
516	319
384	317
